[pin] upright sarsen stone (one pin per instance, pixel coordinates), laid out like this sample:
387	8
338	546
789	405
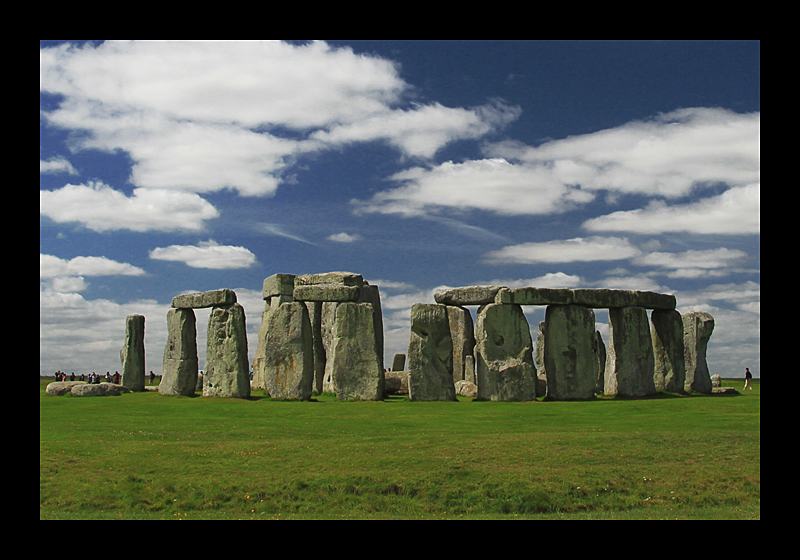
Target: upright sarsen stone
227	372
504	354
179	372
697	329
462	332
289	353
668	350
629	361
356	371
430	354
132	353
570	352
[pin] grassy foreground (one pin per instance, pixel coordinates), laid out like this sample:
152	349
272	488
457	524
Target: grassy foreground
144	456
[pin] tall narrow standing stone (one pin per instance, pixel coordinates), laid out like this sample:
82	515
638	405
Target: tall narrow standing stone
570	352
697	329
599	350
399	362
227	372
132	354
629	360
430	354
356	371
289	357
668	350
179	372
463	334
504	354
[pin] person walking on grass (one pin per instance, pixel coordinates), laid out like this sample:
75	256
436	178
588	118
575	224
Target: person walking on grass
747	379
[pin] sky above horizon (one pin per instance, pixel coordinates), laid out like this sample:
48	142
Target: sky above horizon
172	167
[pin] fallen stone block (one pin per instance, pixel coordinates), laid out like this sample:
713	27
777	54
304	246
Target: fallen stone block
396	382
204	299
98	390
724	391
466	388
468	295
60	388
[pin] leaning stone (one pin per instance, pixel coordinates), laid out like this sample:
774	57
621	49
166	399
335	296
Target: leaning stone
204	299
629	361
397	381
59	388
340	278
278	285
132	353
179	370
697	329
227	371
399	362
570	352
466	388
289	357
504	354
468	295
356	370
98	390
430	354
668	351
326	292
463	334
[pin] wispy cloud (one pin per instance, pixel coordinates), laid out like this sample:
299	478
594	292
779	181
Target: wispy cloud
280	231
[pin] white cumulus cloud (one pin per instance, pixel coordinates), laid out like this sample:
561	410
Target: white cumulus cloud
208	254
584	249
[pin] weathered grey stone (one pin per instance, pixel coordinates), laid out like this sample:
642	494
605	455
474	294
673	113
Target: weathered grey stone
599	349
504	354
399	362
397	381
570	352
371	294
430	354
668	352
356	372
199	386
724	391
341	278
462	332
697	329
278	285
469	368
98	390
204	299
179	370
595	298
716	380
271	304
318	350
467	295
629	361
227	371
132	353
289	356
466	388
326	292
539	353
60	388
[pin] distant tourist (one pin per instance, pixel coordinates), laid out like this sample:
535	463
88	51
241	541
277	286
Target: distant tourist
747	379
152	377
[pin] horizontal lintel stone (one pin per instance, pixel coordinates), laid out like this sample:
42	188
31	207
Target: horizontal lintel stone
278	285
468	295
340	278
595	298
326	292
213	298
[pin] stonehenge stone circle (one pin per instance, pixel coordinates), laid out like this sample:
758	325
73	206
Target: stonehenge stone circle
630	364
227	371
697	329
430	354
668	350
504	354
570	352
132	353
179	373
289	353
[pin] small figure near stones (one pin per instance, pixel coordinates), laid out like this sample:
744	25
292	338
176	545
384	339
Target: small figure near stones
152	377
747	379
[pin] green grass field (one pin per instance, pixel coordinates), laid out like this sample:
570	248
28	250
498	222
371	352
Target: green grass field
144	456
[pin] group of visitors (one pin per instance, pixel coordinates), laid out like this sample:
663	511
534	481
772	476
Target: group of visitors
91	378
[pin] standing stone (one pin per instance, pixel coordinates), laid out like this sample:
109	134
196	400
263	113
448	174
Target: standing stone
430	354
539	354
227	372
179	372
289	356
463	334
629	361
697	329
668	350
132	354
399	362
356	371
504	354
599	349
570	352
371	295
327	323
469	369
318	350
271	304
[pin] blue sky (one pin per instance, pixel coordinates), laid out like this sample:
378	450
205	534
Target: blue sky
168	167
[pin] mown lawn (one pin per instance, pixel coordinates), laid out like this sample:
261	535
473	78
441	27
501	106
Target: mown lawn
144	456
